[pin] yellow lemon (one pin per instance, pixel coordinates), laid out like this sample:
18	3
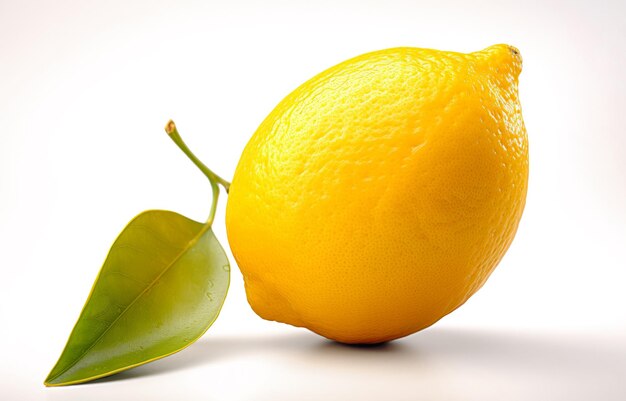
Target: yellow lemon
379	196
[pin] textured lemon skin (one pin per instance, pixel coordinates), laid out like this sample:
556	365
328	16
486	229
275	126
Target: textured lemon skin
380	195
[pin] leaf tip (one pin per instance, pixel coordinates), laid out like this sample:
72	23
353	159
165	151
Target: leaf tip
49	383
170	127
60	381
54	379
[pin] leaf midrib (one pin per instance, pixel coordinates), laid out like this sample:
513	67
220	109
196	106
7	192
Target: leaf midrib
193	241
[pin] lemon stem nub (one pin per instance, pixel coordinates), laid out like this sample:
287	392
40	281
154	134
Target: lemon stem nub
214	179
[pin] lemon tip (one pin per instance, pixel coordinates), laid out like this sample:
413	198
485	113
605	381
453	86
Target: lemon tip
503	54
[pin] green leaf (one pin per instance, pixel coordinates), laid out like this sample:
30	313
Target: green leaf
161	287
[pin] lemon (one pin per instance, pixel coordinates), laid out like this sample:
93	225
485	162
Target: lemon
380	195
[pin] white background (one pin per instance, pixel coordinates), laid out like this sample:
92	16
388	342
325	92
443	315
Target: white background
86	88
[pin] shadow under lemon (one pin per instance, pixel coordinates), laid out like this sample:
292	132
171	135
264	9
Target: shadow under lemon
438	351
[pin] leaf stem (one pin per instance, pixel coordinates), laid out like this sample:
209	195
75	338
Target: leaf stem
214	179
216	194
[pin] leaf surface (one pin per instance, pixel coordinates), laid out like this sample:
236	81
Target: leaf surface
161	287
